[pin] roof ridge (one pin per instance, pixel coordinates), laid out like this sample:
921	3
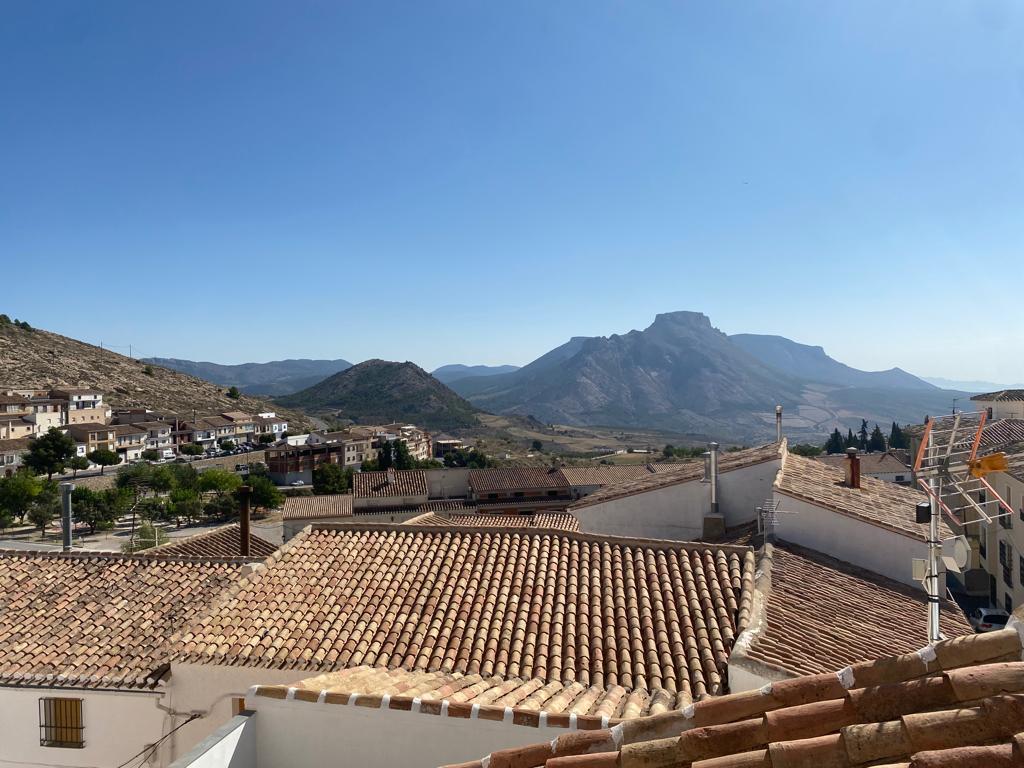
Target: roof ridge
104	554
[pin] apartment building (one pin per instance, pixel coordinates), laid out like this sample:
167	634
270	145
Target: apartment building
244	426
83	406
129	441
90	437
159	435
269	424
11	453
1005	404
415	439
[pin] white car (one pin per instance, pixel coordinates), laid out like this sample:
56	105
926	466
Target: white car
988	619
297	483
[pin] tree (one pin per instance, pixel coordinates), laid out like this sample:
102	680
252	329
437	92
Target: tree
266	438
50	453
147	537
185	503
851	439
46	505
226	444
17	493
862	435
104	457
835	442
100	509
148	370
184	476
191	449
669	451
805	449
76	463
467	457
221	506
537	446
151	454
400	456
877	440
219	481
385	457
233	393
264	493
332	478
897	439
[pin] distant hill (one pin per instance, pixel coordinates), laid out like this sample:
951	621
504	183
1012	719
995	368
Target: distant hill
278	377
378	391
682	374
39	358
446	374
970	386
812	364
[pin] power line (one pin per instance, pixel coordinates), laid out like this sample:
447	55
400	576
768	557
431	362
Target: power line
147	751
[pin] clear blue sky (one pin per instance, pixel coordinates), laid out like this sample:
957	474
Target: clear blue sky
476	182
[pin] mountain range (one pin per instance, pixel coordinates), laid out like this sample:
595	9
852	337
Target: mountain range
380	392
446	374
278	377
682	374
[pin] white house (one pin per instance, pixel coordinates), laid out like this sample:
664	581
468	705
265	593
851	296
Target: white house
1005	404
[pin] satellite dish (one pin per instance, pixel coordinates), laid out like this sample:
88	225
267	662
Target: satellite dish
958	550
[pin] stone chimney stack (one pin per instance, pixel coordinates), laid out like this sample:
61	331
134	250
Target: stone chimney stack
392	476
852	468
244	542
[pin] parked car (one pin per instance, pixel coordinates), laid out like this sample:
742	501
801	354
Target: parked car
988	619
297	483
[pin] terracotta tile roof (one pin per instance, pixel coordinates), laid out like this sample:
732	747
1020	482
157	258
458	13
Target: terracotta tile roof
822	614
877	502
451	694
323	507
402	482
448	505
128	429
673	474
99	620
559	606
877	463
221	542
15	444
1003	396
562	521
604	474
958	704
1002	431
515	478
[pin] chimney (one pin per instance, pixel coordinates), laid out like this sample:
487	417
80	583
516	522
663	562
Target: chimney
65	510
392	476
713	475
244	494
852	468
778	423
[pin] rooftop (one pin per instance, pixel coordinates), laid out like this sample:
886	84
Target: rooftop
220	542
54	607
957	704
1002	396
557	606
882	462
604	474
876	501
318	507
16	444
516	478
674	474
562	521
402	482
822	614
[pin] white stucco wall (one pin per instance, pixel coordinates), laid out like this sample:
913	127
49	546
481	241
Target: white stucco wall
306	735
846	538
448	483
677	512
210	689
117	726
233	745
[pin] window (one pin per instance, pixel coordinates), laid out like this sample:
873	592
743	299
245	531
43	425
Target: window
1007	603
983	543
60	723
900	478
1006	520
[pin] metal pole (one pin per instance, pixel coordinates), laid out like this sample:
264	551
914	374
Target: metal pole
244	494
934	551
778	423
65	509
713	471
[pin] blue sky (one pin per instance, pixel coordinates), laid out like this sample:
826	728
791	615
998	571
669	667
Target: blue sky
477	182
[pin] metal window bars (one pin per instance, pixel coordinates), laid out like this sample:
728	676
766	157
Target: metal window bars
60	723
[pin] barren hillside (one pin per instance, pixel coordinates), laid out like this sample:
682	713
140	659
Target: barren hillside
37	358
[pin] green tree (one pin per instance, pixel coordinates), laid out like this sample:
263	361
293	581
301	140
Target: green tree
668	451
50	453
233	393
191	449
226	444
148	370
468	457
400	456
862	435
184	476
385	456
100	510
877	440
17	493
185	503
221	507
150	454
147	537
332	478
104	457
897	439
537	446
835	442
45	506
77	463
264	493
266	438
219	481
805	449
851	439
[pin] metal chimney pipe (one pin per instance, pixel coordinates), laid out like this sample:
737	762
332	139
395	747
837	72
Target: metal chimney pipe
244	494
778	423
852	468
713	472
65	513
